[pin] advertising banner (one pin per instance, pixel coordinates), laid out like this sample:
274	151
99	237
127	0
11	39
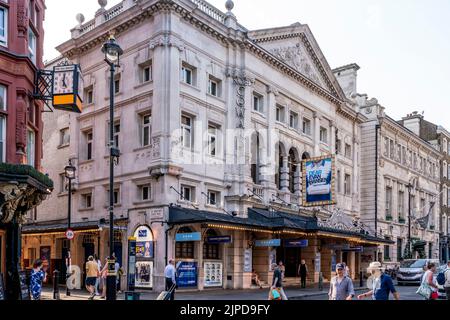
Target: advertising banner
318	181
295	243
220	239
186	274
268	243
188	237
248	260
144	274
213	274
144	243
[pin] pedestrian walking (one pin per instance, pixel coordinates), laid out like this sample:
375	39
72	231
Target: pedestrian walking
341	286
302	272
382	284
428	280
91	276
277	283
99	278
282	269
170	275
447	280
103	276
38	275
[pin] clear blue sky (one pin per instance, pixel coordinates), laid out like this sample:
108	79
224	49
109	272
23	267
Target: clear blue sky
402	46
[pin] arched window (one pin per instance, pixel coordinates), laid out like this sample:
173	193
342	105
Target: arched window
211	250
293	163
255	158
184	250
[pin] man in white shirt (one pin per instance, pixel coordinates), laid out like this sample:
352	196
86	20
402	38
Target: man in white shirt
170	274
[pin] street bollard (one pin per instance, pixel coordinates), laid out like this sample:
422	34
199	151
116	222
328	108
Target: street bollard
55	285
320	281
361	279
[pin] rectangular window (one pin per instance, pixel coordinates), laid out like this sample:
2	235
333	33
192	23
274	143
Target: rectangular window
31	148
214	86
399	153
401	202
116	134
89	96
213	198
388	206
399	249
187	75
186	128
3	26
306	126
347	185
387	251
89	137
258	102
117	85
2	139
147	74
348	151
338	181
280	113
116	196
448	197
404	155
212	140
145	192
422	206
146	130
338	146
188	193
448	171
62	183
64	135
32	12
3	98
86	200
293	120
323	135
32	45
386	147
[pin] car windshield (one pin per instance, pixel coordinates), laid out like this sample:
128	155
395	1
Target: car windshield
413	264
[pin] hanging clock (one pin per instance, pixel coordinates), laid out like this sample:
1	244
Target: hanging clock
67	88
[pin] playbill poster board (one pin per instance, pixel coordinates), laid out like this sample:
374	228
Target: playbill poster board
318	181
213	274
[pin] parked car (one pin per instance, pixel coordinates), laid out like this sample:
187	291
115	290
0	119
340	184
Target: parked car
411	271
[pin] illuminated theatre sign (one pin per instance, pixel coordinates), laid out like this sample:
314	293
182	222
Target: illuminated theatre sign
67	87
318	181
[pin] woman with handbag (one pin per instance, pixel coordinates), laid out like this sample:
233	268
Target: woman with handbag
429	289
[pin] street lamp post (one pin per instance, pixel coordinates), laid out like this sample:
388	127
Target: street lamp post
69	173
112	53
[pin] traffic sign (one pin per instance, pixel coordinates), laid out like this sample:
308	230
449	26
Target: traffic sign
70	234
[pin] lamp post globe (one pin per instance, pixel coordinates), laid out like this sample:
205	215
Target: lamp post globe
112	51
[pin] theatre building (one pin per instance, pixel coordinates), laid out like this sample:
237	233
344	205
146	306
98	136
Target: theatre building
217	126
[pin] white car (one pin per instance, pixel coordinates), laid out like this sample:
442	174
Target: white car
411	271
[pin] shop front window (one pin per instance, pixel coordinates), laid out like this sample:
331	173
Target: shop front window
184	250
210	250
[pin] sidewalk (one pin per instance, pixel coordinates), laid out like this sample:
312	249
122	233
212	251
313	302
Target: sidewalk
256	294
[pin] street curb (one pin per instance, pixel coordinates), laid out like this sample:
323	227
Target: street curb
319	294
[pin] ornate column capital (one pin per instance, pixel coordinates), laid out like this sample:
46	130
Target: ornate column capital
274	90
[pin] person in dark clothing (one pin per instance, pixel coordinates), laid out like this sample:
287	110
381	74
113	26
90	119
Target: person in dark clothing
277	282
303	271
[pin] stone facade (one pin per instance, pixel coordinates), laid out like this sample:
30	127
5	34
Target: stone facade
189	73
393	158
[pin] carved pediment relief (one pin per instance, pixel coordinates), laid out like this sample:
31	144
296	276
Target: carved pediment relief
296	57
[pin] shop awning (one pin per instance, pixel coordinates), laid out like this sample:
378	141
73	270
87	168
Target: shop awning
61	227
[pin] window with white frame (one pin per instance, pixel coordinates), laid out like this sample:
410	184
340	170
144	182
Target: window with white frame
86	200
214	86
188	193
117	83
145	192
293	120
280	113
3	98
116	134
347	185
186	135
146	72
116	196
348	151
3	26
187	74
64	137
32	45
388	202
2	139
212	140
88	138
306	126
89	95
146	122
323	135
213	198
401	202
31	148
258	102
